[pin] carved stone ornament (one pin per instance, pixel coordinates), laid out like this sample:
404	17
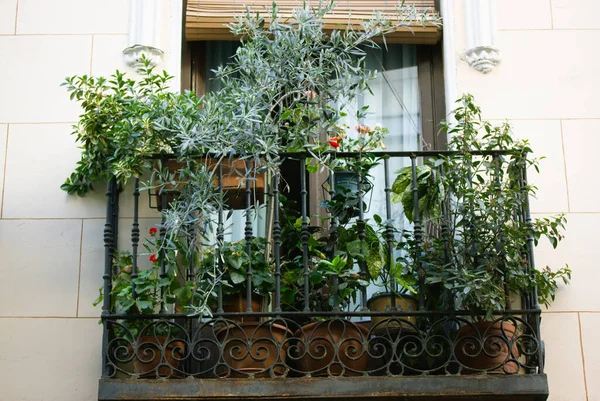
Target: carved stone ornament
483	58
133	56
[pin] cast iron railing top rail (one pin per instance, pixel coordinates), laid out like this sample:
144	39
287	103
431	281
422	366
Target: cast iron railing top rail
402	339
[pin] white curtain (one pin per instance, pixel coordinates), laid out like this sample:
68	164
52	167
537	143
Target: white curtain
395	103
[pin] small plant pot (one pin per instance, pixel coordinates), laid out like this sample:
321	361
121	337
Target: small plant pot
487	346
383	303
233	182
158	356
346	179
344	202
238	304
350	181
332	348
253	349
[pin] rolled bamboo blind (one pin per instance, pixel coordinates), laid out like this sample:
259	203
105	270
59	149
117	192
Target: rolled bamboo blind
206	19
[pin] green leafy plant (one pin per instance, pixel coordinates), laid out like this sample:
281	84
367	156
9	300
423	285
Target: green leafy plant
124	122
278	91
478	252
236	261
277	94
333	273
430	192
149	291
392	274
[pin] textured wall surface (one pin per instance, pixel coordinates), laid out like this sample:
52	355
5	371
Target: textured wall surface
51	243
547	86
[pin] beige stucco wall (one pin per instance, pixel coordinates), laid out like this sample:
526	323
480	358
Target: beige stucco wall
51	243
547	85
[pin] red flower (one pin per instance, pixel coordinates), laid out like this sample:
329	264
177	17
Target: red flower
153	258
334	143
153	231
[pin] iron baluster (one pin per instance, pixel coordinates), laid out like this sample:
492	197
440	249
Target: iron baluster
161	254
418	231
389	230
115	221
107	277
445	230
334	238
530	245
362	236
220	238
277	242
304	234
248	236
500	237
135	235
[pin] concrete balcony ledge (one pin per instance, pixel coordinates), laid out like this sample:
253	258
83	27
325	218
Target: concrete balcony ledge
475	387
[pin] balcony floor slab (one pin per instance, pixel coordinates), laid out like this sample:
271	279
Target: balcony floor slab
454	388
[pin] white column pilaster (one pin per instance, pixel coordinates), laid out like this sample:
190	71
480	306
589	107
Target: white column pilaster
480	24
145	21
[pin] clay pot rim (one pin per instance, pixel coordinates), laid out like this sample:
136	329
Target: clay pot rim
255	296
157	340
485	327
256	324
307	327
389	294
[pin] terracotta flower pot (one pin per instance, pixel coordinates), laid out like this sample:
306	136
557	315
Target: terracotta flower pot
233	183
251	348
157	351
383	303
238	304
332	347
487	346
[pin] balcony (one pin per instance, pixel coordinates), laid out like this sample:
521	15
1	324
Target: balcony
315	334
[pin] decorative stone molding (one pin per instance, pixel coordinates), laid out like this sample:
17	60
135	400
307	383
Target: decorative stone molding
144	33
483	58
480	23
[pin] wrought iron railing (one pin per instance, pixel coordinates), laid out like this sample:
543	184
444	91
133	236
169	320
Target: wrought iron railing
402	339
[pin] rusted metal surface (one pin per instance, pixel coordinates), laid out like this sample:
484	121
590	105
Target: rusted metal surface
474	387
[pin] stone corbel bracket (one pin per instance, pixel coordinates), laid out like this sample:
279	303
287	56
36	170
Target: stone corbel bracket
133	56
480	22
483	58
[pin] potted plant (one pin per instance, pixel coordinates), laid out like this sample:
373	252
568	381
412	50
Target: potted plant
354	173
155	348
249	347
124	122
394	276
482	257
235	262
334	346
